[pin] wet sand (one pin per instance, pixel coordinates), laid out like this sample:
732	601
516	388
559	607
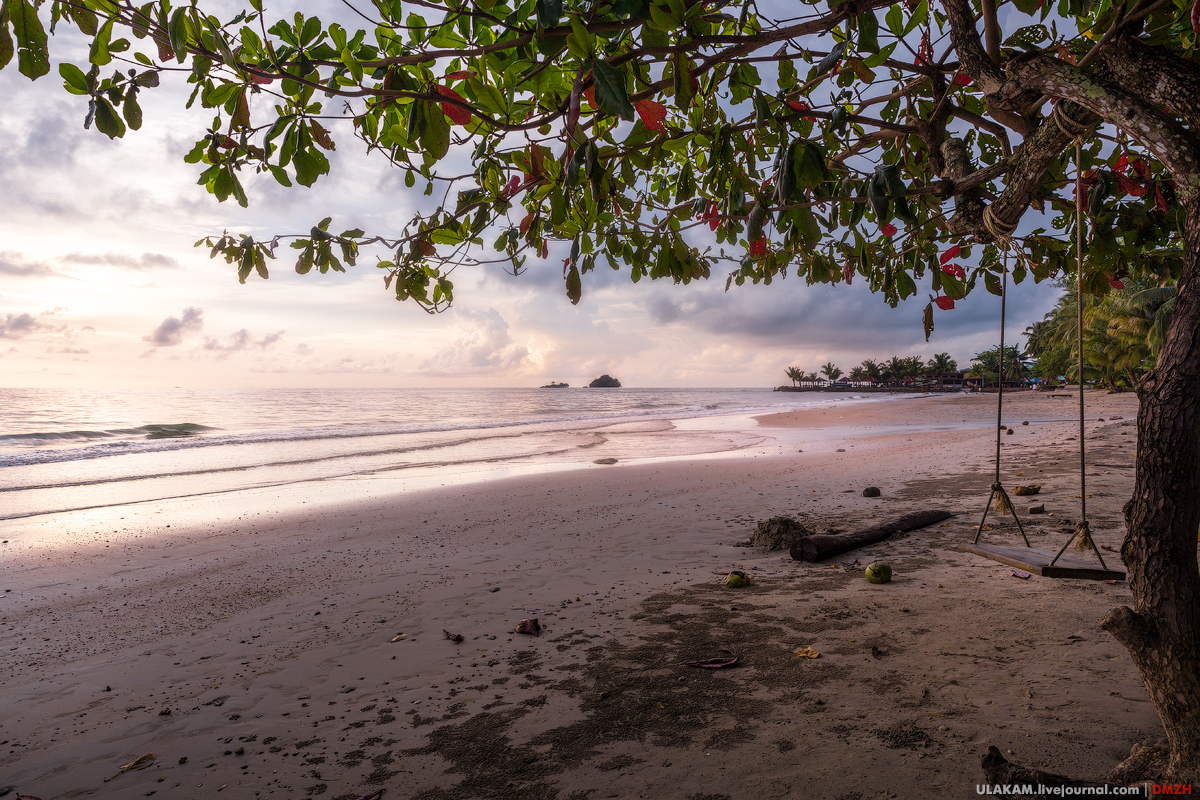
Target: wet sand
263	621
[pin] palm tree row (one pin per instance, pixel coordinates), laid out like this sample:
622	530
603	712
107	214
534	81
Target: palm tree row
1122	334
893	371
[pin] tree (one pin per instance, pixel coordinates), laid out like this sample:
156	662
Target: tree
941	364
794	375
872	370
831	372
987	364
857	374
623	128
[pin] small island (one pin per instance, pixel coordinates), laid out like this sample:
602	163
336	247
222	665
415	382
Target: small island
553	385
605	382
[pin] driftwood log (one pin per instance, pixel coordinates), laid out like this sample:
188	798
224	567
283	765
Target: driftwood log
821	546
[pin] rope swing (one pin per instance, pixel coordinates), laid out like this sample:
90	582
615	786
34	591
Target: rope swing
1034	559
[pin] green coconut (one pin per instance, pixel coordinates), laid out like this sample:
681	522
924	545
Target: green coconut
879	573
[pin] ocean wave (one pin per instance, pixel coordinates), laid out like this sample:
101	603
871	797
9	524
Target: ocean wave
178	431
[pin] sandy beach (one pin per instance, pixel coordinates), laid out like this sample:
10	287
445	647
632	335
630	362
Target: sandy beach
288	642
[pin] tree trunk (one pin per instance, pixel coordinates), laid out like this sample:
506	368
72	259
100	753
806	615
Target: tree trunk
1162	631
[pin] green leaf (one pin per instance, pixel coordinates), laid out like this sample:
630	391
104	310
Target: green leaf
574	286
610	90
99	50
991	282
549	12
177	32
76	81
107	121
436	137
132	111
33	57
868	32
6	43
830	61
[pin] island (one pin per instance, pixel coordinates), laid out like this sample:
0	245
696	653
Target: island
605	382
553	385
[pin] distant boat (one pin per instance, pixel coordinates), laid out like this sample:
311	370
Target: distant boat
553	385
605	382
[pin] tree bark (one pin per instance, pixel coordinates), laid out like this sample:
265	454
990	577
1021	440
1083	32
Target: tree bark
820	547
1162	630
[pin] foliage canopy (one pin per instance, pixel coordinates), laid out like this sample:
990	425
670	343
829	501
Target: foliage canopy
833	140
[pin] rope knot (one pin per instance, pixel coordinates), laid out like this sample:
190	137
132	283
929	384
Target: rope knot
1066	123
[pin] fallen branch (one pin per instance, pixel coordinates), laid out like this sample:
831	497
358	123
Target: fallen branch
820	547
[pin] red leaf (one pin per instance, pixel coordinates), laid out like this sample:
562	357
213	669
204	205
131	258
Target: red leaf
1121	164
1116	283
1196	16
545	249
955	270
1159	201
951	253
888	230
1141	168
525	223
758	247
260	81
653	114
590	94
961	78
1130	186
462	74
944	303
457	114
847	272
512	188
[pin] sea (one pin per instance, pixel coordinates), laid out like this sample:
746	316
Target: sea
73	449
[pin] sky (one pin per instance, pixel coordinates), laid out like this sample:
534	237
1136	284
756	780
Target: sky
101	286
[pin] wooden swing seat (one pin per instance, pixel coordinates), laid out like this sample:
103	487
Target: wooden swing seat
1037	561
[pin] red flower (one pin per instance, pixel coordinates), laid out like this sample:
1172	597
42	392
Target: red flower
758	247
944	303
951	253
888	230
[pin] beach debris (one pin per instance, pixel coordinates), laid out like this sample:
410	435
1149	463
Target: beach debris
133	766
714	663
807	652
346	689
736	579
1026	422
454	637
877	653
183	759
1019	573
878	573
373	796
1009	432
1040	508
399	637
529	626
1109	549
494	589
776	533
217	701
871	491
605	461
1026	491
820	547
166	712
841	450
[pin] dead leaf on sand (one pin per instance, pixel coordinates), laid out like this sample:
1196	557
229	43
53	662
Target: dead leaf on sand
714	663
808	652
140	763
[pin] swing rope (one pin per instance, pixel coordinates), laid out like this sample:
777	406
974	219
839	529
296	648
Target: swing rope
1083	531
1003	504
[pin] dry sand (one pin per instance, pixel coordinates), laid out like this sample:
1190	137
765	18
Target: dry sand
262	622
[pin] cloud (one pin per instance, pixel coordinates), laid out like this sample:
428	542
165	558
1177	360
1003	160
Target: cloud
124	260
343	365
242	340
75	351
13	264
481	344
171	330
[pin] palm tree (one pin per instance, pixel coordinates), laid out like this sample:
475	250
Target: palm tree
940	364
896	369
794	375
812	378
831	372
872	370
857	374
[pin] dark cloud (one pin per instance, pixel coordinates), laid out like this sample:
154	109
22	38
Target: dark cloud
242	340
171	330
14	265
142	262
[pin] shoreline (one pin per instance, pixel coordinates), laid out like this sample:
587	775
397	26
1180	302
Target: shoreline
250	617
